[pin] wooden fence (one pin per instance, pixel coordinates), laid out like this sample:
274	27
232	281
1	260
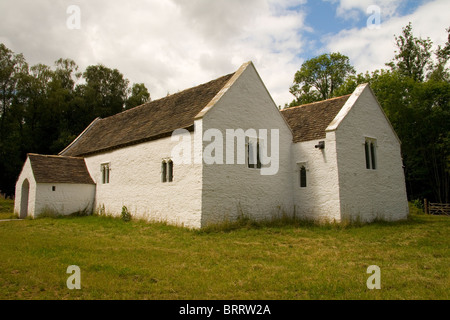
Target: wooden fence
437	208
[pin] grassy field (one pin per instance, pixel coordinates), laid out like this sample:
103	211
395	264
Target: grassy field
6	209
297	260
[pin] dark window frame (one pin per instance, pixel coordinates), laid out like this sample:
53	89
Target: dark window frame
258	164
167	171
370	150
105	169
303	177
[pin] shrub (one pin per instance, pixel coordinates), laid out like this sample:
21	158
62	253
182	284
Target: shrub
418	204
126	215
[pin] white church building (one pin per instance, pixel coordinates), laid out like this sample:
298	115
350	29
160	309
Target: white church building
222	150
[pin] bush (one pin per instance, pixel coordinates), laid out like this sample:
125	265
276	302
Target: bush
418	204
126	215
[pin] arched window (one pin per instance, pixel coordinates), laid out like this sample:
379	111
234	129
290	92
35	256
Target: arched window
303	177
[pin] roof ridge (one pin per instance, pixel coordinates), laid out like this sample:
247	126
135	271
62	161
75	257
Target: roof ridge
170	95
52	156
316	102
143	122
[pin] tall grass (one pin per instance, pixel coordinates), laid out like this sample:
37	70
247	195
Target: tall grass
280	259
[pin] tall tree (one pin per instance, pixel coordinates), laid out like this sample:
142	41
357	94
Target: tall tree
105	90
441	71
11	65
43	108
320	77
139	95
413	56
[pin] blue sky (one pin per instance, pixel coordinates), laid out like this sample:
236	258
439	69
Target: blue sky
171	45
323	18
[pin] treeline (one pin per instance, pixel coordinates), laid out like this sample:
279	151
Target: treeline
43	108
414	91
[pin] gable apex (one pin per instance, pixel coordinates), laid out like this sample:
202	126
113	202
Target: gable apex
225	88
351	102
347	107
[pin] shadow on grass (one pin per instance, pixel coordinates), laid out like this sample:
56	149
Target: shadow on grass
286	222
415	218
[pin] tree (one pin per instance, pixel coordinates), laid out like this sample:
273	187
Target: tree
139	95
11	65
42	108
105	91
441	71
320	77
415	95
413	56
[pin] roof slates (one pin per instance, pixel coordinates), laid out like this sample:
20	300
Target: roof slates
57	169
151	120
309	122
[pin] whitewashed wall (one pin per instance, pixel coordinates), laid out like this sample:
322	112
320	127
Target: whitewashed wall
26	173
65	200
233	189
369	194
135	182
320	199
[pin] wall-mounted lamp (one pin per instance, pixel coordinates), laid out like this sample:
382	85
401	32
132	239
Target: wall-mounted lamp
321	145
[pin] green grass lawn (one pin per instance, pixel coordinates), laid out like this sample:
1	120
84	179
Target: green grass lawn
138	260
6	209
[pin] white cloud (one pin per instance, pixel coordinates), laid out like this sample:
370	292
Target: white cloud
369	49
351	9
169	45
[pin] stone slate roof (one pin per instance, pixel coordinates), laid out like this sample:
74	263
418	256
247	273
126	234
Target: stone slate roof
57	169
151	121
309	122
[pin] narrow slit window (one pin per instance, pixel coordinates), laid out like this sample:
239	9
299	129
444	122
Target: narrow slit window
303	177
105	173
373	156
366	145
164	172
170	171
370	149
253	152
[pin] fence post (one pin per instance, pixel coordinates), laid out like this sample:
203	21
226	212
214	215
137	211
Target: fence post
425	204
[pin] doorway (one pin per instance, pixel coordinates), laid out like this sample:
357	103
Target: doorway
24	199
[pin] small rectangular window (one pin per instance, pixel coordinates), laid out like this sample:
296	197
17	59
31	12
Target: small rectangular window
366	146
170	171
303	177
254	154
53	188
373	155
105	168
370	147
164	172
167	171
